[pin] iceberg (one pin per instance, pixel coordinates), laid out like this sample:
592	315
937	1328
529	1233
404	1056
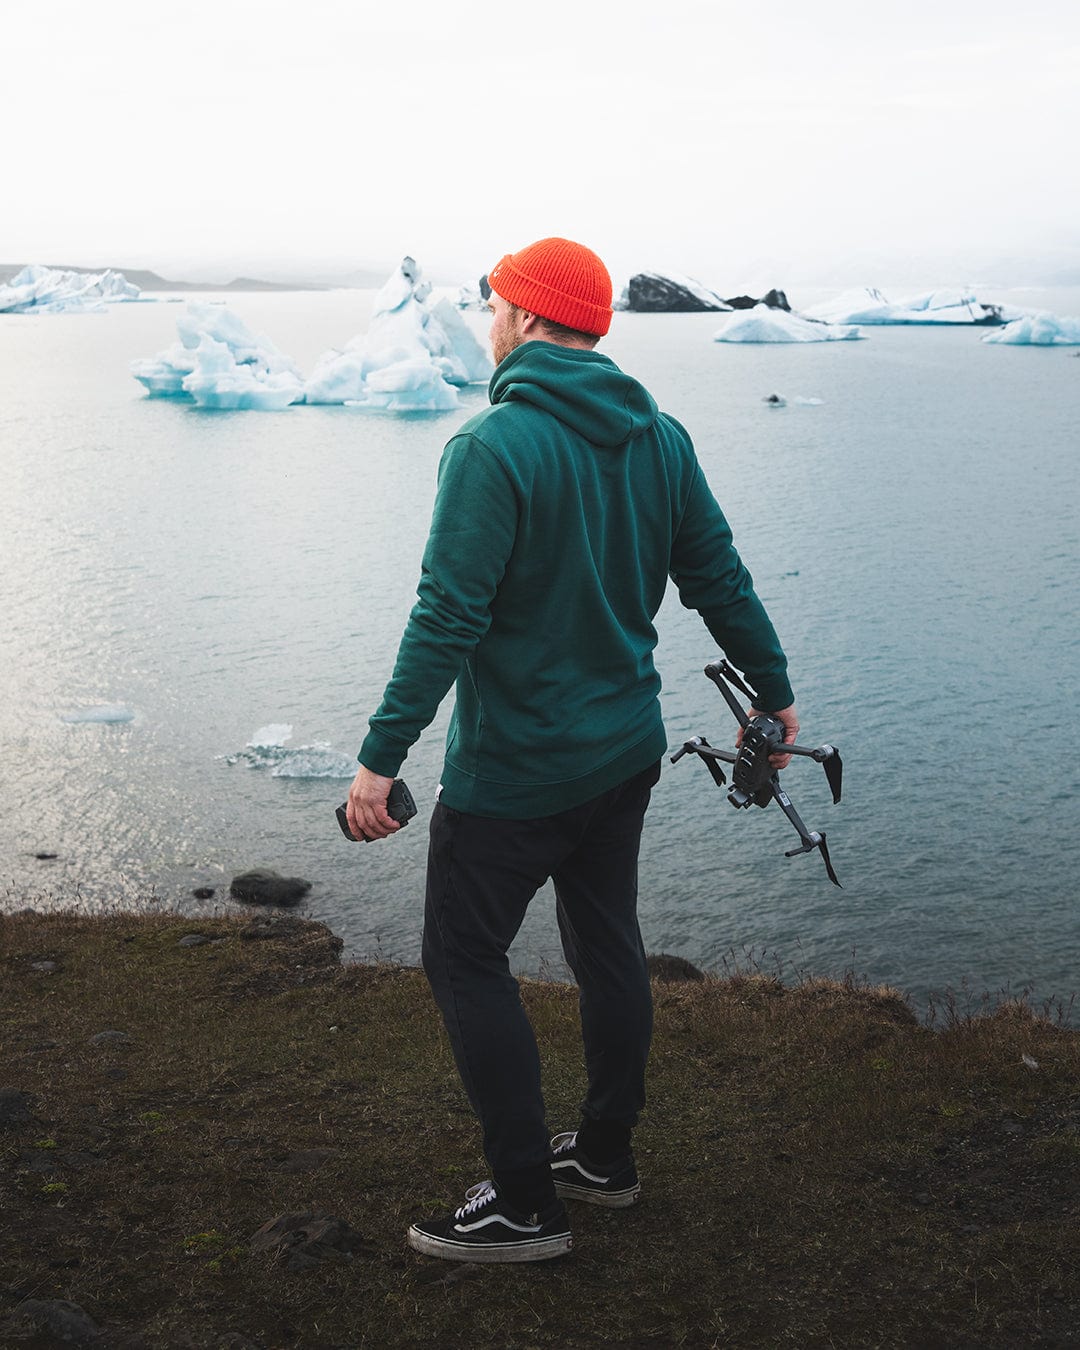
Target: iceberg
220	363
668	293
417	352
867	305
764	324
49	290
1038	330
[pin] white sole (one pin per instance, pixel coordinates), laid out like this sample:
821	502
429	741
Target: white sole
565	1190
543	1249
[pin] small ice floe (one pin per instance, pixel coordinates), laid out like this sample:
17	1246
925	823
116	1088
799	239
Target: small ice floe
267	750
764	324
808	402
100	712
1038	330
868	305
1028	1062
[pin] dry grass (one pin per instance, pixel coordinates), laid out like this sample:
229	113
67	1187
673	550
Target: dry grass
820	1169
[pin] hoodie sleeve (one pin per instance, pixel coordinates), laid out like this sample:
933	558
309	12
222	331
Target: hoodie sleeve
712	579
473	527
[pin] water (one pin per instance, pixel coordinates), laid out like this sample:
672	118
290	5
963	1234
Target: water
175	581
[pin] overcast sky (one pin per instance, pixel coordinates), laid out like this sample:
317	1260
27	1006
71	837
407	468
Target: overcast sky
738	142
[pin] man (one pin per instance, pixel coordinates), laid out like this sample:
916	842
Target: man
561	510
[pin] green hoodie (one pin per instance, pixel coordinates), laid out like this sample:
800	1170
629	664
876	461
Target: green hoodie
560	512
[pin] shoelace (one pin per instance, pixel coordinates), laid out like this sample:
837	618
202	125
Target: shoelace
476	1197
562	1143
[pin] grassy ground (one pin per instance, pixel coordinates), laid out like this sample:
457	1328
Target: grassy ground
819	1169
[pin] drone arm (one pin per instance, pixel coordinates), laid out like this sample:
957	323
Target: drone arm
720	673
699	746
811	839
829	758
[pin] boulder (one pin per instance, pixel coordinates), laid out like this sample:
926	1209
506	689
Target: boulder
673	968
263	886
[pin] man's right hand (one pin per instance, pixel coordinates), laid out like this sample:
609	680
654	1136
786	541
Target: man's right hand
366	807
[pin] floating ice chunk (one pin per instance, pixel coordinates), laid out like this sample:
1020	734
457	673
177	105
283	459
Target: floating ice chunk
867	305
414	384
810	402
100	712
276	733
219	381
762	324
220	363
267	750
1038	330
163	375
775	400
317	760
49	290
416	350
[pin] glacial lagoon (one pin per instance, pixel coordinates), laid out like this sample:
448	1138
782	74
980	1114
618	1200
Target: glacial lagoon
202	608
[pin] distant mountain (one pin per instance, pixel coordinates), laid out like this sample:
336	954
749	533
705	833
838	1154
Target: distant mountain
150	281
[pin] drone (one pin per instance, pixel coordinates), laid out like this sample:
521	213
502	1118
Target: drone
753	780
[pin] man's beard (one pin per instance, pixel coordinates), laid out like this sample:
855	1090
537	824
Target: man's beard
504	344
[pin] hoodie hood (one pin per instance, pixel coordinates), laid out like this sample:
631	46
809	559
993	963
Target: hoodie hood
584	389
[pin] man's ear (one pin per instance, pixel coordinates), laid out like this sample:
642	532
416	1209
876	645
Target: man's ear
528	321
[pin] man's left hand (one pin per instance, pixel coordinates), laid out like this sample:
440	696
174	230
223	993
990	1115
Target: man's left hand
791	732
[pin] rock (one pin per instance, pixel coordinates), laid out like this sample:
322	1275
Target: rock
194	940
46	857
673	968
294	929
775	299
204	892
110	1038
301	1241
60	1318
16	1108
653	293
263	886
46	967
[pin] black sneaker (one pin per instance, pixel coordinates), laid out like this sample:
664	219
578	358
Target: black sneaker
614	1184
485	1228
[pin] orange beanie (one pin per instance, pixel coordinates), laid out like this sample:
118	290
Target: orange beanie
559	280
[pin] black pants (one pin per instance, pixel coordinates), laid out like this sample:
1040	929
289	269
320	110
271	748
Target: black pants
482	873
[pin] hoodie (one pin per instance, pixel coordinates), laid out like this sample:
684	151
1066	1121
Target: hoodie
561	511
